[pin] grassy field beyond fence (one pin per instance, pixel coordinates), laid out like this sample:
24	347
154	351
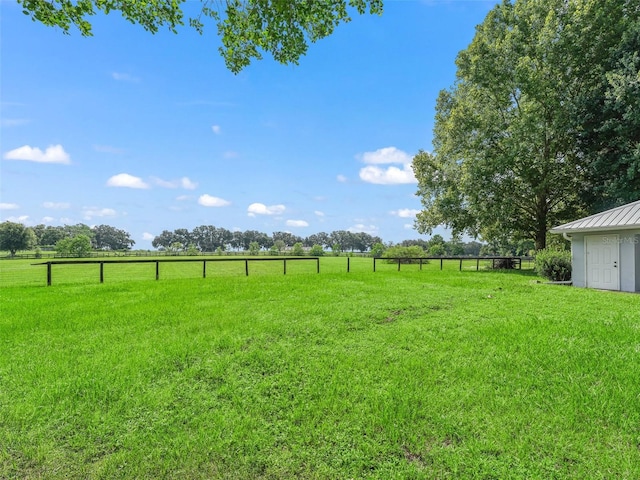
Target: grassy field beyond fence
411	374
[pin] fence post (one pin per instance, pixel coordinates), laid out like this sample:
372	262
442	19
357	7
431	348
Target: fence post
374	264
246	266
157	270
48	274
204	269
440	264
477	264
349	265
461	264
101	272
398	264
285	266
317	265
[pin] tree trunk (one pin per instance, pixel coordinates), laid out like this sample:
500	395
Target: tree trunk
541	238
541	222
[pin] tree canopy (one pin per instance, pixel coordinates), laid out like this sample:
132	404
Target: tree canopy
106	237
284	28
15	236
511	137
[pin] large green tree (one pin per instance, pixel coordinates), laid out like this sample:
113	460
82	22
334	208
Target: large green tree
106	237
608	121
15	236
78	246
283	28
506	163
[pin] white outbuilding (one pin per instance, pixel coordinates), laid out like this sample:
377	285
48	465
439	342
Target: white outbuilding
605	249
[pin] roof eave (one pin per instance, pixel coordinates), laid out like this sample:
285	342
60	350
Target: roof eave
594	229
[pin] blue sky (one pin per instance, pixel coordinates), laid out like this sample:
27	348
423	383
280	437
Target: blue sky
151	132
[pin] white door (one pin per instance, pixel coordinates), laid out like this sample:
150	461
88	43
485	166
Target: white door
602	261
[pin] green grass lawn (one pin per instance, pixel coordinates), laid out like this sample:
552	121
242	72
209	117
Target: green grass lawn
412	374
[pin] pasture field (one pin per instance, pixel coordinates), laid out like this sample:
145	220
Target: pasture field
407	375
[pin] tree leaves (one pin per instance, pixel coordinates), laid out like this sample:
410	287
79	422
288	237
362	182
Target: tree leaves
508	159
247	28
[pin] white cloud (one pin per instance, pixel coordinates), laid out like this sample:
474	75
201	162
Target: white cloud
91	212
56	205
127	181
385	156
230	154
188	184
297	223
182	198
319	213
341	178
370	229
124	77
183	182
52	154
9	206
210	201
405	213
148	236
262	209
163	183
47	219
408	226
216	129
390	175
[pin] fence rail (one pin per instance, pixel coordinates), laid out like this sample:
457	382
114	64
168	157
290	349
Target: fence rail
511	262
157	262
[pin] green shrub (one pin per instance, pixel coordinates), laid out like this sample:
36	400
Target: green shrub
316	251
503	264
254	248
377	250
297	250
437	250
554	264
407	254
273	251
78	246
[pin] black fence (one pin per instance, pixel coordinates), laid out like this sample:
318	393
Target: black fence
496	262
157	262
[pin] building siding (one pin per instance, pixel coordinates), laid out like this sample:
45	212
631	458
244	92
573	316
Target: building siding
627	264
578	261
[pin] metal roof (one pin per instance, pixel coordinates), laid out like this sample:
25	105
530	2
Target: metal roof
626	217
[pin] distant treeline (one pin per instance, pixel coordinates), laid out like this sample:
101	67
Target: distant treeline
80	238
